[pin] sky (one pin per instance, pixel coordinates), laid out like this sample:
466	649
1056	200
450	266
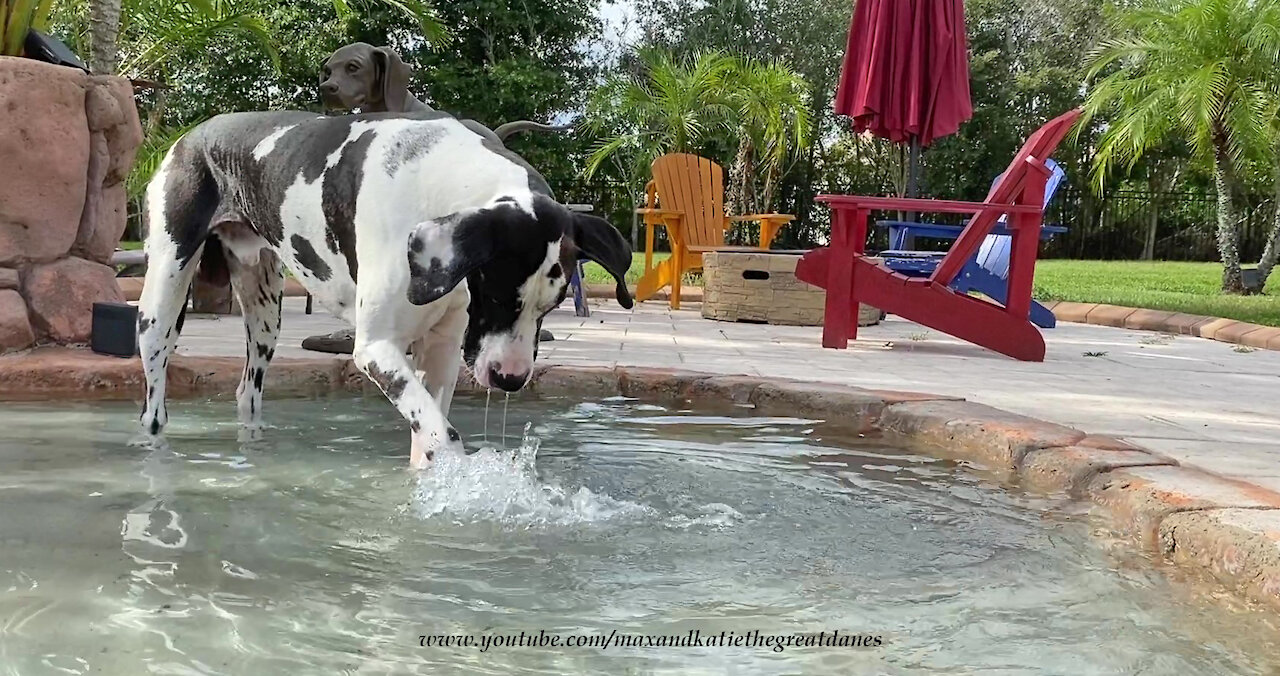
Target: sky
620	26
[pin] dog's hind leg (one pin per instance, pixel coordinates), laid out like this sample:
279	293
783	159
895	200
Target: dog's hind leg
179	204
259	286
164	297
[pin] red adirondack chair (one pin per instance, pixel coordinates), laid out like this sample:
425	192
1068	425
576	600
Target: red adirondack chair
850	278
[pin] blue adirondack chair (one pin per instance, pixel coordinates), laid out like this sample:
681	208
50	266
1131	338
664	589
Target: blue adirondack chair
988	271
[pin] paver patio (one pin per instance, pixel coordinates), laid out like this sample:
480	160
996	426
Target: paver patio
1204	403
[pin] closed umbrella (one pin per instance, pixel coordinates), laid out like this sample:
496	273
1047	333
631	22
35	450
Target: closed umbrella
906	73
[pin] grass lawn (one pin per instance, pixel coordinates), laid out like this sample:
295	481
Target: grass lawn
596	274
1178	287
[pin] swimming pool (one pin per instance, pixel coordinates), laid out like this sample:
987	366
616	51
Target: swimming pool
313	550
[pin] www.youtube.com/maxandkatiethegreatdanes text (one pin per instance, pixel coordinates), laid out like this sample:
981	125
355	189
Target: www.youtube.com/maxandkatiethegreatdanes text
694	638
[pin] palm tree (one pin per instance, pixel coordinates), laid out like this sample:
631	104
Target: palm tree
159	29
670	105
1203	71
773	121
17	17
171	23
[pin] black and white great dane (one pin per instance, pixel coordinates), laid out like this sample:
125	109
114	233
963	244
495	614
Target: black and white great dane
393	222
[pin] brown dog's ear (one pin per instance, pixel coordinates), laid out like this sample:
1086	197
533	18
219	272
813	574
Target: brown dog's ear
393	78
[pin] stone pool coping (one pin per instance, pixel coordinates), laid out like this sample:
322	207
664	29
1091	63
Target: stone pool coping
1201	326
1228	529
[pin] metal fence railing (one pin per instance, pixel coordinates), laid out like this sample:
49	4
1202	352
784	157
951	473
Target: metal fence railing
1121	225
1131	224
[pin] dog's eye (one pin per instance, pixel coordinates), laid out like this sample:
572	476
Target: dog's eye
555	271
352	67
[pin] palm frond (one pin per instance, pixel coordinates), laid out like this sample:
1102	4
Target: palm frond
150	154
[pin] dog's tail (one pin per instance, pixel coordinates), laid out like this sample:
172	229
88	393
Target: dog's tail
510	128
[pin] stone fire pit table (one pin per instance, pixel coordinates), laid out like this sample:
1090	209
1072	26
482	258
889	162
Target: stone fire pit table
761	286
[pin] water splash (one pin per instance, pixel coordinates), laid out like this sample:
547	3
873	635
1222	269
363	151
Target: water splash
503	486
487	395
506	402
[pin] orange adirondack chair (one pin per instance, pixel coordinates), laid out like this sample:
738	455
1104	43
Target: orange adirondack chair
686	196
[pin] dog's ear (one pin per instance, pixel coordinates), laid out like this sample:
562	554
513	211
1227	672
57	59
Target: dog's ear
596	239
443	251
393	78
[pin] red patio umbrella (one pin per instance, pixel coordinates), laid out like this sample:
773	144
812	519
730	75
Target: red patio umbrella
906	72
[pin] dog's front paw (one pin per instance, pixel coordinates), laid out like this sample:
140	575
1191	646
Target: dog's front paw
424	447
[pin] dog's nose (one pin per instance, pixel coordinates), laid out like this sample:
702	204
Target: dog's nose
328	88
507	382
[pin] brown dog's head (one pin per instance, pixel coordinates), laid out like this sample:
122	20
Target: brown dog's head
359	75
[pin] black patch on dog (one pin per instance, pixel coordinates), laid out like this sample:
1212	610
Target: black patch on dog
307	258
257	378
264	351
392	384
453	435
409	145
555	271
190	199
342	183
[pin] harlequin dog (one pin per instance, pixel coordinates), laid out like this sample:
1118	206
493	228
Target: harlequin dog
392	222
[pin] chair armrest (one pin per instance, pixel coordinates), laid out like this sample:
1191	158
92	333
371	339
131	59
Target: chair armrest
913	224
660	213
924	205
786	218
948	231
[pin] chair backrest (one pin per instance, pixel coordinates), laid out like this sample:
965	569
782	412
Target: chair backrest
993	255
1009	188
1055	179
694	186
1009	184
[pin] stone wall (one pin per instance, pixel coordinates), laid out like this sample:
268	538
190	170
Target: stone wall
734	291
68	141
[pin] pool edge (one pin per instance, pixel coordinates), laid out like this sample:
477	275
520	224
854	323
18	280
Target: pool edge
1226	528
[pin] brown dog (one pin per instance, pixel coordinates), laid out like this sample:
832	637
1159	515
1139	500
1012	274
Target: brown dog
375	79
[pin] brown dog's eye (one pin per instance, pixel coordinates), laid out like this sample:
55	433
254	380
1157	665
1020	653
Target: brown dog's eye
352	67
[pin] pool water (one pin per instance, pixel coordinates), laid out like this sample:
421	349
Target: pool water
313	551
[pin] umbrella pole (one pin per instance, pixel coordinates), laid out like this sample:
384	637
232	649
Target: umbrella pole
913	168
913	173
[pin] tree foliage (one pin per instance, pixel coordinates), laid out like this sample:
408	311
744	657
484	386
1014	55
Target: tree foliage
667	103
1203	72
